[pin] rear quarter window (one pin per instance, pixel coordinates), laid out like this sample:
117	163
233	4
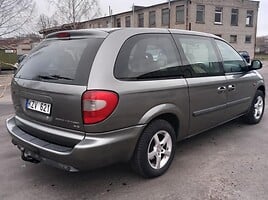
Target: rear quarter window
148	56
61	61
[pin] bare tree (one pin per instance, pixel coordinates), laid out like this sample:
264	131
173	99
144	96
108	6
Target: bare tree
72	11
14	15
45	22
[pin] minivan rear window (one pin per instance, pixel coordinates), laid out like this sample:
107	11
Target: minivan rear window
60	61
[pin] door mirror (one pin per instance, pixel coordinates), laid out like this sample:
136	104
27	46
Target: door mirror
255	65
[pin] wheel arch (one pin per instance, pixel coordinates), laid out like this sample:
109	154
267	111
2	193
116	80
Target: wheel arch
262	88
168	112
172	119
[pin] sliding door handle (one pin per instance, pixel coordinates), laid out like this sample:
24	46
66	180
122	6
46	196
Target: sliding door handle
231	87
221	89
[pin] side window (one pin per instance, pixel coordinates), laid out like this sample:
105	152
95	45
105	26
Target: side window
200	54
148	56
232	61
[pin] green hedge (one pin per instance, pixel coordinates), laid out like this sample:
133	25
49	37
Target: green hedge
7	59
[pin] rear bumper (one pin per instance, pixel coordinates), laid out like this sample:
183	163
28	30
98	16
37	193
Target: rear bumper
93	151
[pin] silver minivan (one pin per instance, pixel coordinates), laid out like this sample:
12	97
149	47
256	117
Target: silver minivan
89	98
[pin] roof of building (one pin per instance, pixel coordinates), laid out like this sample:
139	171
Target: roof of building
70	25
135	8
14	41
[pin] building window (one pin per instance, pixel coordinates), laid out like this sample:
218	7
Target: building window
127	21
234	17
152	19
218	15
180	14
249	19
233	38
219	35
248	39
118	22
200	14
141	20
165	17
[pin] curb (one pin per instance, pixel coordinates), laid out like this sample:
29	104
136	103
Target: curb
2	94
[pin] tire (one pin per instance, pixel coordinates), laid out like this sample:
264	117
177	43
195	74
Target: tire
256	110
155	149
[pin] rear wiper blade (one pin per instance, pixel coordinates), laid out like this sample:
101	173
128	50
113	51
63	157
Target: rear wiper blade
61	77
46	77
54	77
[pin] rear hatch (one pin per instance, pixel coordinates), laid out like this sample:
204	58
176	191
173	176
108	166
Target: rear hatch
50	82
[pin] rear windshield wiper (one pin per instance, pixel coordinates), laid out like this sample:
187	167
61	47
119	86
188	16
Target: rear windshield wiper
54	77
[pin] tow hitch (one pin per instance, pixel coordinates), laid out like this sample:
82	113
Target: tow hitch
28	156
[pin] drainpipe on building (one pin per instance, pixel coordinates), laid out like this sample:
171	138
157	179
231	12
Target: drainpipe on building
169	11
187	15
111	15
133	15
255	31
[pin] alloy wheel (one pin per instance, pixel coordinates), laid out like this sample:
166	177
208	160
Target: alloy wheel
159	149
258	108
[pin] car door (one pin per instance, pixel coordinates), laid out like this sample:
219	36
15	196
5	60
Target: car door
206	82
240	83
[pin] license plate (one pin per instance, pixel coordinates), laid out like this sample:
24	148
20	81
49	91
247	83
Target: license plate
38	106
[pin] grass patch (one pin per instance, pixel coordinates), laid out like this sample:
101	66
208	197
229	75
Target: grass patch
261	56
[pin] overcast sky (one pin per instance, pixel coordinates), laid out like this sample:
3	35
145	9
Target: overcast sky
125	5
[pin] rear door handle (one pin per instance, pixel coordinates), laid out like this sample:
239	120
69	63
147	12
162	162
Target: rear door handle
221	89
231	87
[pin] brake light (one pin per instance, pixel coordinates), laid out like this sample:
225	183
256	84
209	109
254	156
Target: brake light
98	105
63	35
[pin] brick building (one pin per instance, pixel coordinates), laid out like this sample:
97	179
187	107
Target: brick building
233	20
22	45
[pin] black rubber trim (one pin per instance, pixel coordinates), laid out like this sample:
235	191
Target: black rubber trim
21	135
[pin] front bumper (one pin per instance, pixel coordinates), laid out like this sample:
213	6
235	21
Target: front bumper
94	151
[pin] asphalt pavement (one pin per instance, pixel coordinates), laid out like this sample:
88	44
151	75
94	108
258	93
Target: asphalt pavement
228	162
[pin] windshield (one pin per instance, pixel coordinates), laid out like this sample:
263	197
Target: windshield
61	61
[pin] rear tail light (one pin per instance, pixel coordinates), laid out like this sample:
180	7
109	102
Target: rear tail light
98	105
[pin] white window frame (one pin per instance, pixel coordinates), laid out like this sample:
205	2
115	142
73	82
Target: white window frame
250	18
235	12
218	11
